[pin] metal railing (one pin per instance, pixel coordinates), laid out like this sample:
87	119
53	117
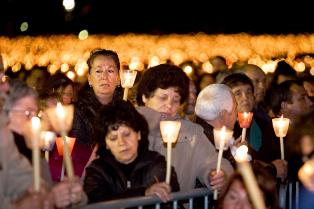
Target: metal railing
140	202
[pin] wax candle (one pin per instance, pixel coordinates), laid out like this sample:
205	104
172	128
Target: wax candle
281	126
249	179
169	132
36	152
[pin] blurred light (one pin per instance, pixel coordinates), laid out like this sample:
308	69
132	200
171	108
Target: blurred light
83	35
69	5
52	69
299	67
24	26
71	75
312	71
207	67
81	68
188	69
16	67
154	61
64	67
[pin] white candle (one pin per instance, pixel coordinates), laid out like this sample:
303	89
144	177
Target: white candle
36	152
66	154
281	126
249	179
127	81
169	132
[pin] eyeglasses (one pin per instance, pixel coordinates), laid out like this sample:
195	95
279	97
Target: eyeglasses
28	113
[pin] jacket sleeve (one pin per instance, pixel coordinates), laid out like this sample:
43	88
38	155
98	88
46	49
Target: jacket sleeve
16	172
208	158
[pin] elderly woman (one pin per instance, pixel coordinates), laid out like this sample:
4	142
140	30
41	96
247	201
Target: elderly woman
161	91
125	167
103	80
20	106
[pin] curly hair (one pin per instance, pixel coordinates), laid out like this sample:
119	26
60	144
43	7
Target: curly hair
111	117
162	76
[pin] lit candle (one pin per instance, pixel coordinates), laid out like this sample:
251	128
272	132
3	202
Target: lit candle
36	152
67	156
127	78
221	137
47	142
169	132
245	119
248	177
281	126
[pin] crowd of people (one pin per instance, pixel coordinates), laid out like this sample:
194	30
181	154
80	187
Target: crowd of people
119	151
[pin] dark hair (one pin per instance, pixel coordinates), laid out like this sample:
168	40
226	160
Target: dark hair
110	117
282	93
236	79
57	83
102	52
162	76
266	182
283	68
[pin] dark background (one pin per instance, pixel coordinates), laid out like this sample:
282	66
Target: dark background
156	17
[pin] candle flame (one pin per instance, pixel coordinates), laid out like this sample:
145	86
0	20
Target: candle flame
241	153
60	111
36	123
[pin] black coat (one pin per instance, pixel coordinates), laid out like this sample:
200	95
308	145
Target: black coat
105	180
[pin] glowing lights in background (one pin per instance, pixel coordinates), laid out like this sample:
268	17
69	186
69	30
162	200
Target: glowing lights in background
69	53
68	5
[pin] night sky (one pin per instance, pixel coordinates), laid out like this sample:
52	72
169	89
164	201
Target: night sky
155	17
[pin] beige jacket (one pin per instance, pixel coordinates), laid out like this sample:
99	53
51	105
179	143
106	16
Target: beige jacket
193	156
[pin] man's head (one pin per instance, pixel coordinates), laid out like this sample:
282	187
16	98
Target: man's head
216	103
258	78
290	99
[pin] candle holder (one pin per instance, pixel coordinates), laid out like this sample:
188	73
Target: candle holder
61	118
306	175
169	132
70	141
245	119
222	137
47	141
127	78
249	179
281	126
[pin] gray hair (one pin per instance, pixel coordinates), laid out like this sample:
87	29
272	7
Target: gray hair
18	90
212	100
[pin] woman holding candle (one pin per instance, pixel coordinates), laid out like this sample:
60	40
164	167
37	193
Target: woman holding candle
125	167
161	91
20	106
103	80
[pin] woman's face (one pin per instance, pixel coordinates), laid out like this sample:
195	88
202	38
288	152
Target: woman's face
237	197
123	144
164	101
67	95
21	113
104	76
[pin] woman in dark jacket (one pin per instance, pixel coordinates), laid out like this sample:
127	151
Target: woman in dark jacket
125	166
103	89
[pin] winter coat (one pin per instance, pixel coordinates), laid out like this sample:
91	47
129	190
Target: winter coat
105	180
193	156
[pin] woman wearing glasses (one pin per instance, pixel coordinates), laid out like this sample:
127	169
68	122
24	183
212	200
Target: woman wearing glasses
20	106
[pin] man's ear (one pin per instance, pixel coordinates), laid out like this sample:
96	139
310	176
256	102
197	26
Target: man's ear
88	79
144	99
222	116
138	135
